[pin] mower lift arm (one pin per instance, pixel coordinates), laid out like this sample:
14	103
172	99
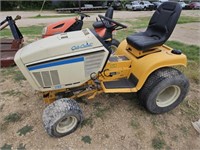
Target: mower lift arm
14	29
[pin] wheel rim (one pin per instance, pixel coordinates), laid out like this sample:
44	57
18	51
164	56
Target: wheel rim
66	124
168	96
113	48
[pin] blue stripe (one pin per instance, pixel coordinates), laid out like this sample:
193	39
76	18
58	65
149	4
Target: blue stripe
56	63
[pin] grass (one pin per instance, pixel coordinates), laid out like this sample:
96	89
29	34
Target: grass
190	108
53	16
135	124
12	117
86	139
26	31
107	136
6	147
174	138
161	133
158	143
184	130
100	112
21	146
188	19
142	22
157	121
87	122
1	107
16	74
8	71
192	52
97	104
11	93
1	81
26	129
4	126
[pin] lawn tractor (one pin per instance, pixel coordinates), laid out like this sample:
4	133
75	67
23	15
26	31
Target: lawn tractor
75	24
71	65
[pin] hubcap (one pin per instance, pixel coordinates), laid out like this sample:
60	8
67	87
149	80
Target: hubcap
168	96
67	124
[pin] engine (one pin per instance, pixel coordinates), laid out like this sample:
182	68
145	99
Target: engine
64	60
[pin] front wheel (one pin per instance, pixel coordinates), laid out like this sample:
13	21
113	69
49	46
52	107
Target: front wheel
164	90
113	45
62	117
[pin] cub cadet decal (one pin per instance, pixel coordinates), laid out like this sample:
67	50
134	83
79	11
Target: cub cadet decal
76	47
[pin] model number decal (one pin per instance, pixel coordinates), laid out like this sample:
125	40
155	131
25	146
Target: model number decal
76	47
58	86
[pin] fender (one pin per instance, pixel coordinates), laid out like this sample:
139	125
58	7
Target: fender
142	67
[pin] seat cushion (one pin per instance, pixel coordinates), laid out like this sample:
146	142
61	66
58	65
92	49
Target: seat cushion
144	42
98	24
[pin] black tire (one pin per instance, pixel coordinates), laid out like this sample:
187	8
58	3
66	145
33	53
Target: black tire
113	45
164	89
62	117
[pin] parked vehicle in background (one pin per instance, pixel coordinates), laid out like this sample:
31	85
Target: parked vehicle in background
156	4
193	5
135	5
183	5
162	1
147	5
117	5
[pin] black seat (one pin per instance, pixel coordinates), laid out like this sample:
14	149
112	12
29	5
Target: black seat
109	14
159	29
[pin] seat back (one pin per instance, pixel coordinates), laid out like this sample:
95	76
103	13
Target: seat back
164	21
109	13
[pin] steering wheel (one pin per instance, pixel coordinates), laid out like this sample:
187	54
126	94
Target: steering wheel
109	23
82	14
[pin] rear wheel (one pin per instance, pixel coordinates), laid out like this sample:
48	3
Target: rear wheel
164	90
114	45
62	117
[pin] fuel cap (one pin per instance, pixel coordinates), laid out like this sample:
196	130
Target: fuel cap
176	51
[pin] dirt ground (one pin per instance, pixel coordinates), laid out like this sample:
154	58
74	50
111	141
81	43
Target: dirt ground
114	121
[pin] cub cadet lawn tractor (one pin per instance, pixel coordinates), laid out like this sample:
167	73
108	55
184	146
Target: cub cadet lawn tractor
75	64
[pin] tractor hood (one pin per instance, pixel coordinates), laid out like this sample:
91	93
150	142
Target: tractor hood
58	45
62	61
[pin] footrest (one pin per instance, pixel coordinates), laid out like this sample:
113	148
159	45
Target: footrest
121	83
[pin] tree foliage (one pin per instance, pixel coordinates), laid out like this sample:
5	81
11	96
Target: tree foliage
36	5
